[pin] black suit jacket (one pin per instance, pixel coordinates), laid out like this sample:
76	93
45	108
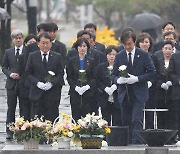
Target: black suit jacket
34	47
162	78
158	46
143	68
72	70
103	81
9	65
62	50
98	56
100	47
36	73
174	73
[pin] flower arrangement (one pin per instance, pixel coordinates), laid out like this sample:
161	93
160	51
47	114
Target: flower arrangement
92	125
25	130
50	76
63	128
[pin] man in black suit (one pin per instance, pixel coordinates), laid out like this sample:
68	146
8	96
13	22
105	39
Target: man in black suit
92	28
132	90
62	46
42	28
45	91
9	68
168	36
167	27
174	73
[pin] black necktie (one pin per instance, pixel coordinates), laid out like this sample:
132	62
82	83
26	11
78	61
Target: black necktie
45	60
129	66
17	53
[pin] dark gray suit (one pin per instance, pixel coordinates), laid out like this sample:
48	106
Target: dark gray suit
174	73
9	65
47	101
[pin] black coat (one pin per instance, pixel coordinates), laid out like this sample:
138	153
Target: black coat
103	81
72	70
10	65
174	73
36	73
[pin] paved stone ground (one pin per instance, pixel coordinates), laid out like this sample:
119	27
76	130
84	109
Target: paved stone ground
64	106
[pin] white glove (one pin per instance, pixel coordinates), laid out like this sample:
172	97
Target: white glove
41	85
149	84
85	88
113	88
108	90
169	83
121	80
78	90
132	79
48	86
164	86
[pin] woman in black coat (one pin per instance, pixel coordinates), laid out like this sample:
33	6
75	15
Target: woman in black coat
81	78
107	92
145	42
164	87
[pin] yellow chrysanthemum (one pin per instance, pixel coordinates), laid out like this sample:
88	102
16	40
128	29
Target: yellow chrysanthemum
65	131
106	37
107	130
77	127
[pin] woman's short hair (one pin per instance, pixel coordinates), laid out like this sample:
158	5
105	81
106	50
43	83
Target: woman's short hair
110	48
29	37
141	38
80	41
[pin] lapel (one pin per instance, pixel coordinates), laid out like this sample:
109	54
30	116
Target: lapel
136	59
50	59
124	58
161	63
13	57
77	63
86	63
23	49
39	60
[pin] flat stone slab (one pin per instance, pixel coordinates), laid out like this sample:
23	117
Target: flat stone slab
46	149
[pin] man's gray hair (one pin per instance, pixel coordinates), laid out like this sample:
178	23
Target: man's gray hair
17	32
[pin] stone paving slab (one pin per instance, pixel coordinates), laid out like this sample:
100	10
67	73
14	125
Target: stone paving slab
134	149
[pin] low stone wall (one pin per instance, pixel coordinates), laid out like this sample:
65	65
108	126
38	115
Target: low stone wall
47	149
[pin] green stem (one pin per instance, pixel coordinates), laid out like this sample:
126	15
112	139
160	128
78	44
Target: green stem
81	96
127	94
165	101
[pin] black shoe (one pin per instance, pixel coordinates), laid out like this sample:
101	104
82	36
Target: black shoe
9	136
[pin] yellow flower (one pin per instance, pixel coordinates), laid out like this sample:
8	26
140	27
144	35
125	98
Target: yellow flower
77	127
105	36
107	130
65	131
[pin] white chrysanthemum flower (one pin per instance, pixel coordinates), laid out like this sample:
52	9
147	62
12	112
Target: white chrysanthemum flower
122	67
51	73
70	134
81	71
104	143
110	68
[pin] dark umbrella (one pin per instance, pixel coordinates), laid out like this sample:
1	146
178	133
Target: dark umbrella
4	15
145	21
